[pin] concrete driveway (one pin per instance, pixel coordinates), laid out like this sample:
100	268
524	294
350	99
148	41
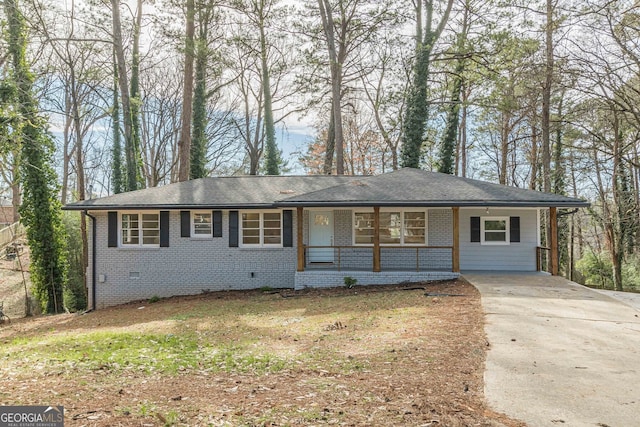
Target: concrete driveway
560	354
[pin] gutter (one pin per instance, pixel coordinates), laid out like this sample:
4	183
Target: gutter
160	206
93	260
337	204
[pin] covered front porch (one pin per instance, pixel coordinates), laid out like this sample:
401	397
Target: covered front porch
374	257
328	265
437	257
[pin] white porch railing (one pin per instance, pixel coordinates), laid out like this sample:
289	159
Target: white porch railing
392	258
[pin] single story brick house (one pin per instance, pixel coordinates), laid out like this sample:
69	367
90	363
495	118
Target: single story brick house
246	232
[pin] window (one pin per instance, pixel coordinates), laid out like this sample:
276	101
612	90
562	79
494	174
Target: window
363	228
201	224
390	228
261	229
396	228
415	228
140	229
494	230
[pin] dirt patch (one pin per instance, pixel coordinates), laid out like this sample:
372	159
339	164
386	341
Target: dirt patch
378	355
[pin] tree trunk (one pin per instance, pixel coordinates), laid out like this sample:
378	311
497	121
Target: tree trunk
447	148
546	106
136	173
123	82
450	145
272	166
504	147
616	227
463	133
66	157
327	167
80	171
184	144
533	155
199	144
116	151
336	83
546	100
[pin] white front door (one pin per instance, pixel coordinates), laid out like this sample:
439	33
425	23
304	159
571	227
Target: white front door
321	234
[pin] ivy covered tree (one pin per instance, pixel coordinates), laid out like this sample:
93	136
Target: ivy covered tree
40	208
207	70
417	103
118	183
448	147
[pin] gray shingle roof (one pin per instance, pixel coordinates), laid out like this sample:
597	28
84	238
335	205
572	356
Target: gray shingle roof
414	187
221	192
405	187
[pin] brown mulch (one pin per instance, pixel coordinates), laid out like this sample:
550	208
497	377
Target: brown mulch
426	372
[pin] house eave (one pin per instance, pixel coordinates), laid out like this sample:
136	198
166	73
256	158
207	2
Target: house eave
139	207
339	204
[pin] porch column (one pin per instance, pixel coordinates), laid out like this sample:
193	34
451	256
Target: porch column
553	240
455	252
300	245
376	238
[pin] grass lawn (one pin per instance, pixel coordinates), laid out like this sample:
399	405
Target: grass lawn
366	356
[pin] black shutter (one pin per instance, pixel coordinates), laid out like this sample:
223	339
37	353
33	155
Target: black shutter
233	229
475	228
217	223
113	229
514	229
164	229
287	228
185	223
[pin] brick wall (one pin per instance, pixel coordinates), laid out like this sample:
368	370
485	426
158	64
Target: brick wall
327	279
187	266
440	227
191	266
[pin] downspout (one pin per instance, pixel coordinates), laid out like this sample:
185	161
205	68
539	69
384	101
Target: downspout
93	261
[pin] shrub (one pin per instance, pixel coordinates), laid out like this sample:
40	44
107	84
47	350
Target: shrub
631	273
596	269
350	282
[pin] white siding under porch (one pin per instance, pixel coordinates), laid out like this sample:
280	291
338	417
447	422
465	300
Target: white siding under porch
514	256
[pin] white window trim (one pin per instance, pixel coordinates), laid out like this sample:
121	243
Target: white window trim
507	236
402	212
140	243
193	225
241	243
